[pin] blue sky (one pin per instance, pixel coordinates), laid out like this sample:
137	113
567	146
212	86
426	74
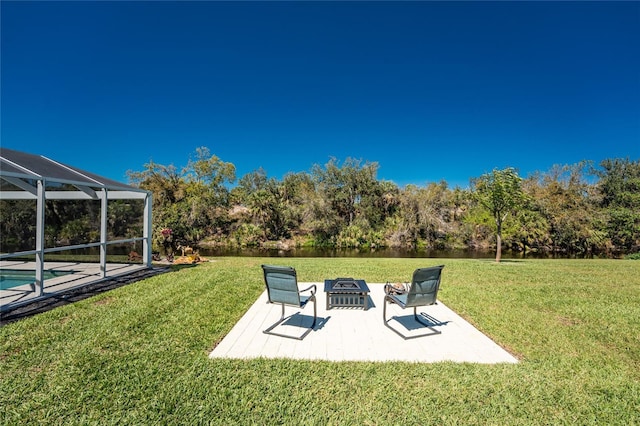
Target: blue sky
429	90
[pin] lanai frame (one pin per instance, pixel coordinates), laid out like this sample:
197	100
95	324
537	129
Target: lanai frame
29	176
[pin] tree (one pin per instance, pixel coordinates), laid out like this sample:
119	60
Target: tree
405	228
565	199
268	208
192	202
500	192
247	185
206	203
18	225
347	186
212	172
619	188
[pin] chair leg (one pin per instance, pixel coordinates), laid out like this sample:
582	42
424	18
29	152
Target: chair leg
315	312
384	309
415	314
283	318
315	317
386	301
417	317
277	323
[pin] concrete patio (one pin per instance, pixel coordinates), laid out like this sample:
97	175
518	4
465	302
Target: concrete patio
350	334
81	274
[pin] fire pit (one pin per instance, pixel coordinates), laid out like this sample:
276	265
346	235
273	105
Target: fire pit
347	292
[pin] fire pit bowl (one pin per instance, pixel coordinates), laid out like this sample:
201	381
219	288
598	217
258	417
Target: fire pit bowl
346	293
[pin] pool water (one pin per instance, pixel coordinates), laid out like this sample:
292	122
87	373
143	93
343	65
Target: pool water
10	278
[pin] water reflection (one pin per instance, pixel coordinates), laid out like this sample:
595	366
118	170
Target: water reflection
332	252
385	252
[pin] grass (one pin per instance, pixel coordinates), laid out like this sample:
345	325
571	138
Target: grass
138	354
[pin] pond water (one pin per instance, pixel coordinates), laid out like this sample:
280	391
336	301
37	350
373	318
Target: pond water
334	252
385	252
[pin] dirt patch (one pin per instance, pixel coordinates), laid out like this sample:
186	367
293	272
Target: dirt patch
104	301
568	322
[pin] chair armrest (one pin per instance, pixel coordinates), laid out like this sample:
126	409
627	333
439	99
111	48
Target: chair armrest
312	286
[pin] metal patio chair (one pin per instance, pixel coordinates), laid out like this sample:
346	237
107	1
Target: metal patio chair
423	291
282	288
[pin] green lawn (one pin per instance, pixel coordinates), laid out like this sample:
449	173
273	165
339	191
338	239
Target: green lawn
138	354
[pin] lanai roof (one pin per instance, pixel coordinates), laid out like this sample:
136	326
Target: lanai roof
25	176
18	168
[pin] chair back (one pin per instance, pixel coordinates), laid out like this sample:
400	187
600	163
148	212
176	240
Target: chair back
424	286
282	284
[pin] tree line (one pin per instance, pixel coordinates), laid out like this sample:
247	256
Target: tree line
577	209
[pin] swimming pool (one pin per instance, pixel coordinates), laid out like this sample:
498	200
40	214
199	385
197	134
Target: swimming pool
10	278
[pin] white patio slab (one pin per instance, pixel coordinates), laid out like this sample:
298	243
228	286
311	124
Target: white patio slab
350	334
